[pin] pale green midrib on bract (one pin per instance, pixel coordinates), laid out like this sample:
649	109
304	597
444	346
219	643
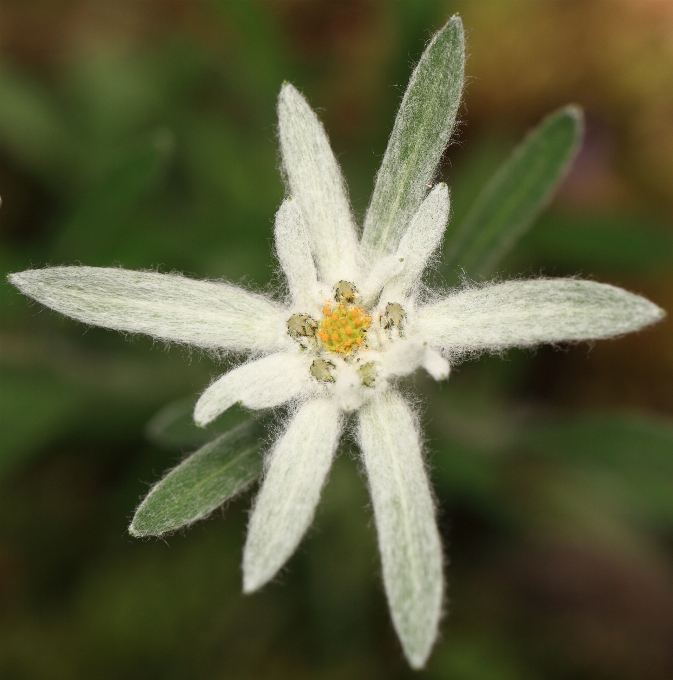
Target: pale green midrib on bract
414	580
165	306
516	194
138	528
564	312
174	501
404	515
526	313
420	135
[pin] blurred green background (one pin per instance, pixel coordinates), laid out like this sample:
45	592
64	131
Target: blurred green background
143	134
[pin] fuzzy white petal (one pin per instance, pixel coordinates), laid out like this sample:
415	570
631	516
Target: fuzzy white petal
409	542
316	182
294	253
259	384
527	313
285	506
435	364
402	357
421	132
348	391
419	242
385	269
166	306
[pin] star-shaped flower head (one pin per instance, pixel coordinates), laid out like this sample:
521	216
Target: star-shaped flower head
355	320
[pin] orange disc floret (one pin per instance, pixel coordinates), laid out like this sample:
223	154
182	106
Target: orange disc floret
343	328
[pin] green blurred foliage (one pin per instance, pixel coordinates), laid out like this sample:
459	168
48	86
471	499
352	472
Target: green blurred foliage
149	141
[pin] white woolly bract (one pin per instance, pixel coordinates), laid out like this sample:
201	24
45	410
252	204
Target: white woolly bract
284	509
166	306
348	391
402	357
316	182
527	313
409	542
264	383
294	254
419	137
383	270
435	364
419	242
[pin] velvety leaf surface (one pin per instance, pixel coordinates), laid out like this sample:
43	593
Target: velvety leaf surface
516	194
201	483
422	130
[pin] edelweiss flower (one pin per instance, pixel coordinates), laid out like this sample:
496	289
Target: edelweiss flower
356	319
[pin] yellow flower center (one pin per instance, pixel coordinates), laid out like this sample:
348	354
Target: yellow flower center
343	328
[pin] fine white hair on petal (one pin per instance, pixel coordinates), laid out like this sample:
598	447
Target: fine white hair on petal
263	383
166	306
527	313
435	364
402	357
316	182
285	506
385	269
419	137
294	253
419	242
404	512
348	391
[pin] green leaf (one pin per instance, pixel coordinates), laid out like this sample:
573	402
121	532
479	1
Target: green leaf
201	483
173	427
421	132
516	194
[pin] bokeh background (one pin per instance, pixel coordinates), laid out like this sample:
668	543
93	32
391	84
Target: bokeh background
143	134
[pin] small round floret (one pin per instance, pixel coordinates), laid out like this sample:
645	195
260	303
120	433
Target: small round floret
322	370
345	292
301	326
394	316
